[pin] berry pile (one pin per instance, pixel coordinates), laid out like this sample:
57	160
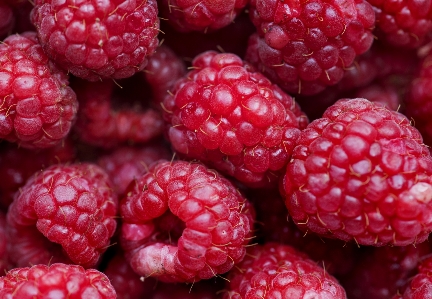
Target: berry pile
215	149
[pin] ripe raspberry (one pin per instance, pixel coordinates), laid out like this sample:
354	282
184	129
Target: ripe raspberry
38	107
56	281
279	271
404	23
19	164
3	245
305	46
420	286
125	164
204	16
95	40
102	124
361	173
232	118
7	19
183	222
381	272
64	212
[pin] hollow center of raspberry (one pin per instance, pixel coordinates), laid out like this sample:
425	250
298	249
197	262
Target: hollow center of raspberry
169	228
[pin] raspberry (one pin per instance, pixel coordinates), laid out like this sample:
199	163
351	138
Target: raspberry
38	107
204	16
233	119
125	164
279	271
305	46
102	124
19	164
183	222
420	286
56	281
64	212
361	172
404	23
3	245
7	19
94	40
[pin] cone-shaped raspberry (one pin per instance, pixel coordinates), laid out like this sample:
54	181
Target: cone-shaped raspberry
101	123
420	286
279	271
56	281
203	16
304	46
64	213
233	119
95	40
184	222
361	172
37	105
125	164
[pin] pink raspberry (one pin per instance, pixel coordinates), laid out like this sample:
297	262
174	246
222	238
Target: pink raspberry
183	222
279	271
204	16
232	118
420	286
56	281
305	46
104	121
7	19
64	213
126	164
95	40
37	105
361	172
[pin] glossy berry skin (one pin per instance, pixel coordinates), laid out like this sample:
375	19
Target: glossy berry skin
183	222
305	46
55	281
96	40
203	16
232	118
361	172
403	23
64	213
38	107
279	271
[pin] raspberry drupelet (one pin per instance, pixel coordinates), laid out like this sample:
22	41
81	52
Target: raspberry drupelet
56	281
65	213
305	46
38	107
361	172
233	119
183	222
203	16
98	39
279	271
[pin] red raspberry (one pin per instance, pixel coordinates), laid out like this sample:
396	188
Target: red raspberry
94	40
403	23
279	271
38	107
125	164
7	19
56	281
204	16
381	272
3	245
64	212
420	286
183	222
232	118
305	46
19	164
361	172
102	124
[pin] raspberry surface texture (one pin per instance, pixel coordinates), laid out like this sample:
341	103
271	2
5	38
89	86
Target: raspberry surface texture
232	118
38	107
361	172
55	281
305	46
64	213
183	222
204	16
279	271
95	40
